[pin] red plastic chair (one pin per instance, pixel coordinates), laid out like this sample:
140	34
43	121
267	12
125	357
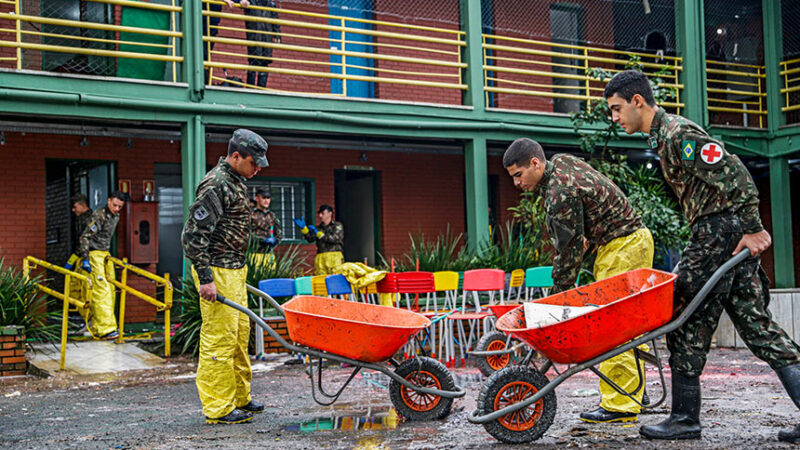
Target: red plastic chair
491	281
409	283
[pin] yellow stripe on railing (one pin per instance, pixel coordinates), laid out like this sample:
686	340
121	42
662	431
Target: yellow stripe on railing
744	82
791	85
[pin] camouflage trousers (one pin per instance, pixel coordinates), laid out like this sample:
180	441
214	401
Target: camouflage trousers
743	293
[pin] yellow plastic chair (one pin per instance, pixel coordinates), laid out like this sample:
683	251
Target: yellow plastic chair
318	286
447	282
517	279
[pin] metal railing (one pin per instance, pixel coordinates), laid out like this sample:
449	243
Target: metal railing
790	71
315	46
30	263
65	36
550	70
122	285
736	91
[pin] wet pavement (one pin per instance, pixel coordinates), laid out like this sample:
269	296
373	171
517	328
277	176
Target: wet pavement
744	406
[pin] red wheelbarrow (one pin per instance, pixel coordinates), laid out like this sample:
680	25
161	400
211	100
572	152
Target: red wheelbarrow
366	337
518	404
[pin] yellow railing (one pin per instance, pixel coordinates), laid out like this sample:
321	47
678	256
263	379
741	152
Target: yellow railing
307	46
122	285
30	263
736	88
517	66
790	71
26	34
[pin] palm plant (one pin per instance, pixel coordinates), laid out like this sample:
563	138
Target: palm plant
22	304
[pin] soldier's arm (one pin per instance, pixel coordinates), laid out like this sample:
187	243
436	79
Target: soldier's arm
310	237
277	230
565	226
204	214
92	228
334	237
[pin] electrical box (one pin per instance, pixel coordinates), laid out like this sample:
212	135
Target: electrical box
143	232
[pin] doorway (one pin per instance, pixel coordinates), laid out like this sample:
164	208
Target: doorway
169	195
358	209
566	28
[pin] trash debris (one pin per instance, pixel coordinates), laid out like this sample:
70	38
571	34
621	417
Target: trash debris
14	394
585	392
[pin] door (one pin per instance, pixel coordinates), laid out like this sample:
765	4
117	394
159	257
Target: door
169	195
565	28
358	209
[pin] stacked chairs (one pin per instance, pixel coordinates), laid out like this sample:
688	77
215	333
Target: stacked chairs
369	294
515	284
416	283
540	278
447	283
275	287
337	285
388	285
490	281
318	286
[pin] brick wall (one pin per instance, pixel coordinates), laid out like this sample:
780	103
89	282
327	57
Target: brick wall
271	345
12	351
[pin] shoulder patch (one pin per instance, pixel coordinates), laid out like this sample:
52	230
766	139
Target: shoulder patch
201	213
712	153
687	150
93	228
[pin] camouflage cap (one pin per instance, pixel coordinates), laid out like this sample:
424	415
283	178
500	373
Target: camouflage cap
250	143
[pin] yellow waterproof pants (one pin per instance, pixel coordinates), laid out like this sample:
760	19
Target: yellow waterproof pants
264	259
101	307
77	289
631	252
223	370
326	263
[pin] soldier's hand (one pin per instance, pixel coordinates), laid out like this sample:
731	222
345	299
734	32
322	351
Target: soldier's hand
300	222
230	3
244	3
756	242
85	265
209	291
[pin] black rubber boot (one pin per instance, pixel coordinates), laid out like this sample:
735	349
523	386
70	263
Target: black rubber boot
790	377
262	79
233	417
602	415
684	420
251	78
253	407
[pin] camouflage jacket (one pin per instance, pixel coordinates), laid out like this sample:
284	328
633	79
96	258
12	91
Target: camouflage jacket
98	232
79	224
580	202
332	239
263	224
705	177
218	228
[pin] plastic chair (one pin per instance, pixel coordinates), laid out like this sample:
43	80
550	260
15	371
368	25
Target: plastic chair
538	278
415	283
388	285
516	282
338	285
490	281
275	287
369	293
318	286
303	286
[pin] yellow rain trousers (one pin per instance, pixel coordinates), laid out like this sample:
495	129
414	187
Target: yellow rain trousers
77	289
631	252
101	307
326	263
223	371
264	259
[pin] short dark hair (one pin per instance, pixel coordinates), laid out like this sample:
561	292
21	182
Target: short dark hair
119	195
78	198
325	208
628	83
521	151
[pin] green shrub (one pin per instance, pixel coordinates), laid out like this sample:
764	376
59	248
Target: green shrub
22	304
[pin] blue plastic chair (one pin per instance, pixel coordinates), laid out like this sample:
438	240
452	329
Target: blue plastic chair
278	287
538	277
338	285
303	286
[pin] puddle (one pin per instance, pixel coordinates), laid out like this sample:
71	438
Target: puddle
370	419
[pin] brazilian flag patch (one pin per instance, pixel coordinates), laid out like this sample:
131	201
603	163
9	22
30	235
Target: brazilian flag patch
687	150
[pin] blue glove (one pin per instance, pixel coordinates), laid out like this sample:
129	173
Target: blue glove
272	241
301	222
313	229
86	266
69	266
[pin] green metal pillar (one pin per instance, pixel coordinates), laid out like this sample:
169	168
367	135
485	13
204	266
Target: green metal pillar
773	53
781	202
477	193
193	48
193	163
472	54
690	40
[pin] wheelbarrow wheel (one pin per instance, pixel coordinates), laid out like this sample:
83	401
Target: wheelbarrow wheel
425	372
513	385
492	363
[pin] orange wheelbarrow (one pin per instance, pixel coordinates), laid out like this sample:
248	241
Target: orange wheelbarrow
518	404
366	337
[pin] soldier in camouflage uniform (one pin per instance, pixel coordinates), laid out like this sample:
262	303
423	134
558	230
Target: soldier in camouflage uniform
584	208
329	236
95	241
265	228
215	239
720	202
83	214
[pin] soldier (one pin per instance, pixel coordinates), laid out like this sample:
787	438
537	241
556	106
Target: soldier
260	32
329	236
95	241
583	207
215	239
720	202
83	214
265	230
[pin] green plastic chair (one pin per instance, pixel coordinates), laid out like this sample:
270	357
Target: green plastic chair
303	285
538	277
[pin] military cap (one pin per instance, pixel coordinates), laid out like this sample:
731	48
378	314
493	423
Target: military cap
263	191
250	143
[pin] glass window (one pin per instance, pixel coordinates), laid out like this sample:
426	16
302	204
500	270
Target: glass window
290	198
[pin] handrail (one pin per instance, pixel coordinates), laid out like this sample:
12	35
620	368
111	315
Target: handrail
790	85
29	263
746	89
165	306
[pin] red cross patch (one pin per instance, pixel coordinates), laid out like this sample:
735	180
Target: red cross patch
711	153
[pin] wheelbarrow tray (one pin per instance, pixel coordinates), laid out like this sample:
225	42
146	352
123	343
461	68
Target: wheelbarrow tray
630	304
360	331
500	310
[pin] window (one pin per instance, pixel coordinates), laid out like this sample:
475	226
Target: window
290	198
